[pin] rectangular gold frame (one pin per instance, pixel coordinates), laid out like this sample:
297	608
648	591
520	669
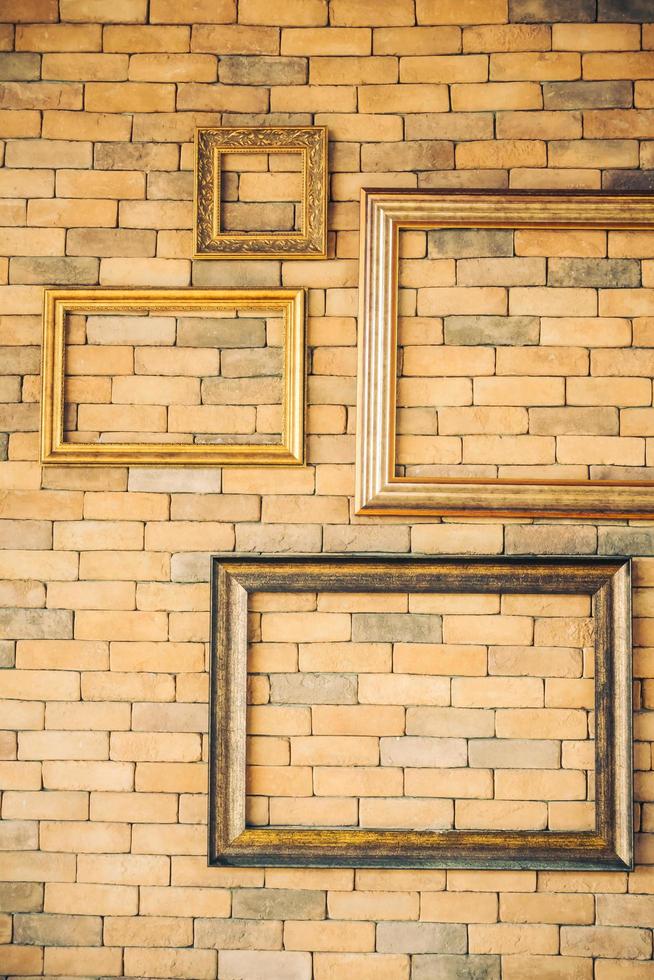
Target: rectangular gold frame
60	302
384	213
606	580
211	143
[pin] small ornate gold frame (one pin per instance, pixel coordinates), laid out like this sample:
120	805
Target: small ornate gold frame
213	243
384	213
58	303
231	842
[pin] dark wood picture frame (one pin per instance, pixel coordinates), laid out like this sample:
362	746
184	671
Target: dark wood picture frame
606	580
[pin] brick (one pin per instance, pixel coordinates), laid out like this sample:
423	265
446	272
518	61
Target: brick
235	39
471	12
420	937
45	37
551	11
22	958
21	897
37	866
279	903
523	966
506	938
449	907
259	964
45	806
40	95
541	66
327	41
330	966
449	967
31	10
606	941
125	11
330	936
19	67
613	10
188	964
509	37
444	68
587	95
147	931
382	906
57	930
297	13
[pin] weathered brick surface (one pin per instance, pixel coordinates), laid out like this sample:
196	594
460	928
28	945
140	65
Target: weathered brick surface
520	353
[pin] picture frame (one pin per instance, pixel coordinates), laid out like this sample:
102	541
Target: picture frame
231	842
211	241
60	303
379	491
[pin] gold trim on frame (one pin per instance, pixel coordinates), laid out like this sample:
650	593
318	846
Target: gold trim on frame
384	213
58	303
609	845
308	243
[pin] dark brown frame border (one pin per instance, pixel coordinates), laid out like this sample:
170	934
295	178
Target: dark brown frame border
607	580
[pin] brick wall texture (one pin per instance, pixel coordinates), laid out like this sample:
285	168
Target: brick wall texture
104	591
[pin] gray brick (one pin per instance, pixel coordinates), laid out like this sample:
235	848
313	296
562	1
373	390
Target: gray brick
135	156
7	653
574	421
237	934
53	269
463	243
242	391
636	11
19	66
4	445
421	937
216	332
622	473
278	903
264	362
267	119
610	273
278	538
551	11
411	155
248	275
551	539
36	624
514	753
112	242
626	541
496	330
628	180
20	896
479	967
362	537
20	360
615	94
396	628
262	70
305	688
258	217
58	930
189	566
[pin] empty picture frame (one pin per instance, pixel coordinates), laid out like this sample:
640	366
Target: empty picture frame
287	305
212	240
379	489
605	580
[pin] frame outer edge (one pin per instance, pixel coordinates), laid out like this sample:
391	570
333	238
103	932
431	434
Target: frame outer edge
622	684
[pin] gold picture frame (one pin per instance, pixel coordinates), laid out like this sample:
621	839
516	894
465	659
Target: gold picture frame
384	213
609	845
210	242
59	303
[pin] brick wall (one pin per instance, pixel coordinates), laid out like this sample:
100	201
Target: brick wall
103	638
